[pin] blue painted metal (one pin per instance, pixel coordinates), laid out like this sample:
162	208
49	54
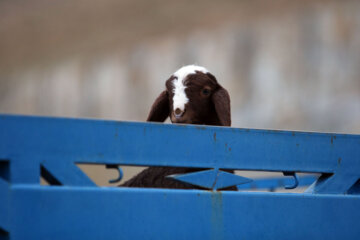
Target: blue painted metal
109	213
80	210
212	179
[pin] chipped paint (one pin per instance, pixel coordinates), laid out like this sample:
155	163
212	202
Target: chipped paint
217	218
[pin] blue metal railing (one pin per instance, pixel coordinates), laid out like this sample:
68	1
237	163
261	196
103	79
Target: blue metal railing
75	208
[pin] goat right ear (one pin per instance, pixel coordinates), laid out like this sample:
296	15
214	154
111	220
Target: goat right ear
221	100
160	108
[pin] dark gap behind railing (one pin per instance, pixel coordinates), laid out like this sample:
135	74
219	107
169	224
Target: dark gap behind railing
5	170
355	189
4	235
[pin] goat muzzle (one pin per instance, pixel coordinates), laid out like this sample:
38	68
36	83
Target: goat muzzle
178	113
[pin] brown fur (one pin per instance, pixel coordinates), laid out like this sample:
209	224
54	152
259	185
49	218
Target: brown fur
207	107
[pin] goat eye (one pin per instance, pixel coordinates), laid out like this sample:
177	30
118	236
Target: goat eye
206	92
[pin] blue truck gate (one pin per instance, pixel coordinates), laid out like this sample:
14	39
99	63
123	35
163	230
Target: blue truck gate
73	207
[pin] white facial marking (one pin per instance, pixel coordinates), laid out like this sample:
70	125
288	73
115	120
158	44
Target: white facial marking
180	98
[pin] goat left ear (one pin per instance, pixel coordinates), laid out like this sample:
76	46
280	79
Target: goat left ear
221	100
160	108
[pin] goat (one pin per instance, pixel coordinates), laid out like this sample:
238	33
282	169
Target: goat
192	96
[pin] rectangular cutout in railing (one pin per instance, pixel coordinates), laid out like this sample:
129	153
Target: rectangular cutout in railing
262	181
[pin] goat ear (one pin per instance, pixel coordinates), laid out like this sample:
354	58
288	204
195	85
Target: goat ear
160	108
221	100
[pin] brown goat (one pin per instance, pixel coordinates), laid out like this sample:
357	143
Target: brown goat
192	96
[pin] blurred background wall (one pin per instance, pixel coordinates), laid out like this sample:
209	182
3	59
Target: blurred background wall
287	64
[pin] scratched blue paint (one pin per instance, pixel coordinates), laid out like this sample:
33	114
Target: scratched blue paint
217	216
80	210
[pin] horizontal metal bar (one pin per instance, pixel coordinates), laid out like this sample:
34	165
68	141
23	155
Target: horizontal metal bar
110	142
113	213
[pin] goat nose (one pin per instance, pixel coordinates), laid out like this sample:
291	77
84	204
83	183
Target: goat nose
178	113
